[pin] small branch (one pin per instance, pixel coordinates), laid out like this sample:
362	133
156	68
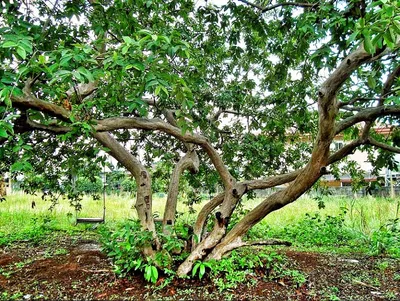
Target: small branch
269	242
365	284
268	8
354	100
389	83
82	90
384	146
289	4
114	36
252	4
351	109
48	128
97	271
29	84
369	114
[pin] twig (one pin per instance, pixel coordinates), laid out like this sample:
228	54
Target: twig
97	271
268	8
365	284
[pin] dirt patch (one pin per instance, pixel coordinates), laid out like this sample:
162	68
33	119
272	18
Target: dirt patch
73	268
7	259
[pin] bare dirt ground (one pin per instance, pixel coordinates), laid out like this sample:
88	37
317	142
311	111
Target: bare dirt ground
73	268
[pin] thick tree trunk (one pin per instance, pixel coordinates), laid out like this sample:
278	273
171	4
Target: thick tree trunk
191	162
143	180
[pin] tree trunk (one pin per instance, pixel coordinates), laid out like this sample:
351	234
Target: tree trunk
143	180
222	217
189	161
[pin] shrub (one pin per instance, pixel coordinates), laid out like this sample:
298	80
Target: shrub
386	240
315	230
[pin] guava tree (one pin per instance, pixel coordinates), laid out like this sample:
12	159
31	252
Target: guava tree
247	95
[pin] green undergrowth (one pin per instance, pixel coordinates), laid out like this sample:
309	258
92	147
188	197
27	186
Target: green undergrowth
368	226
123	242
332	234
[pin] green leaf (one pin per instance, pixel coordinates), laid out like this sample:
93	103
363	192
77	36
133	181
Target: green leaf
42	59
3	133
371	82
86	73
21	52
137	66
154	274
127	40
125	49
151	83
202	271
27	45
368	45
195	268
9	44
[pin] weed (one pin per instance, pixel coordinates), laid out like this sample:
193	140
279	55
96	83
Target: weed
61	251
150	273
386	240
125	242
201	267
390	295
332	293
20	264
383	265
315	230
6	296
6	274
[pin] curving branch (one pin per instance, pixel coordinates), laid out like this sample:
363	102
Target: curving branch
157	124
327	109
384	146
115	123
369	114
31	102
188	162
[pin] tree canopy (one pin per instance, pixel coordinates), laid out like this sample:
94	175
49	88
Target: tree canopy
246	95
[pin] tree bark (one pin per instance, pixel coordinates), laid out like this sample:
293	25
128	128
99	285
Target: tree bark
191	162
143	203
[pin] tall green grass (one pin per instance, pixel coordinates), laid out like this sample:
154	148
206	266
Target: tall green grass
17	217
364	214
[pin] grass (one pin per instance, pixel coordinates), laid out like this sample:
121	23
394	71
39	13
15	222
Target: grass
19	220
363	214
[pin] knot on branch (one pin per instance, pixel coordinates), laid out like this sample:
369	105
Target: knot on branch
221	220
324	170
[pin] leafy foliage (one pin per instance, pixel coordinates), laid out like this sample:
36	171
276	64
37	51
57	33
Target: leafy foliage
385	241
315	230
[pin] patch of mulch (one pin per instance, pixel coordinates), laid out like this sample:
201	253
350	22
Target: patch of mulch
71	268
